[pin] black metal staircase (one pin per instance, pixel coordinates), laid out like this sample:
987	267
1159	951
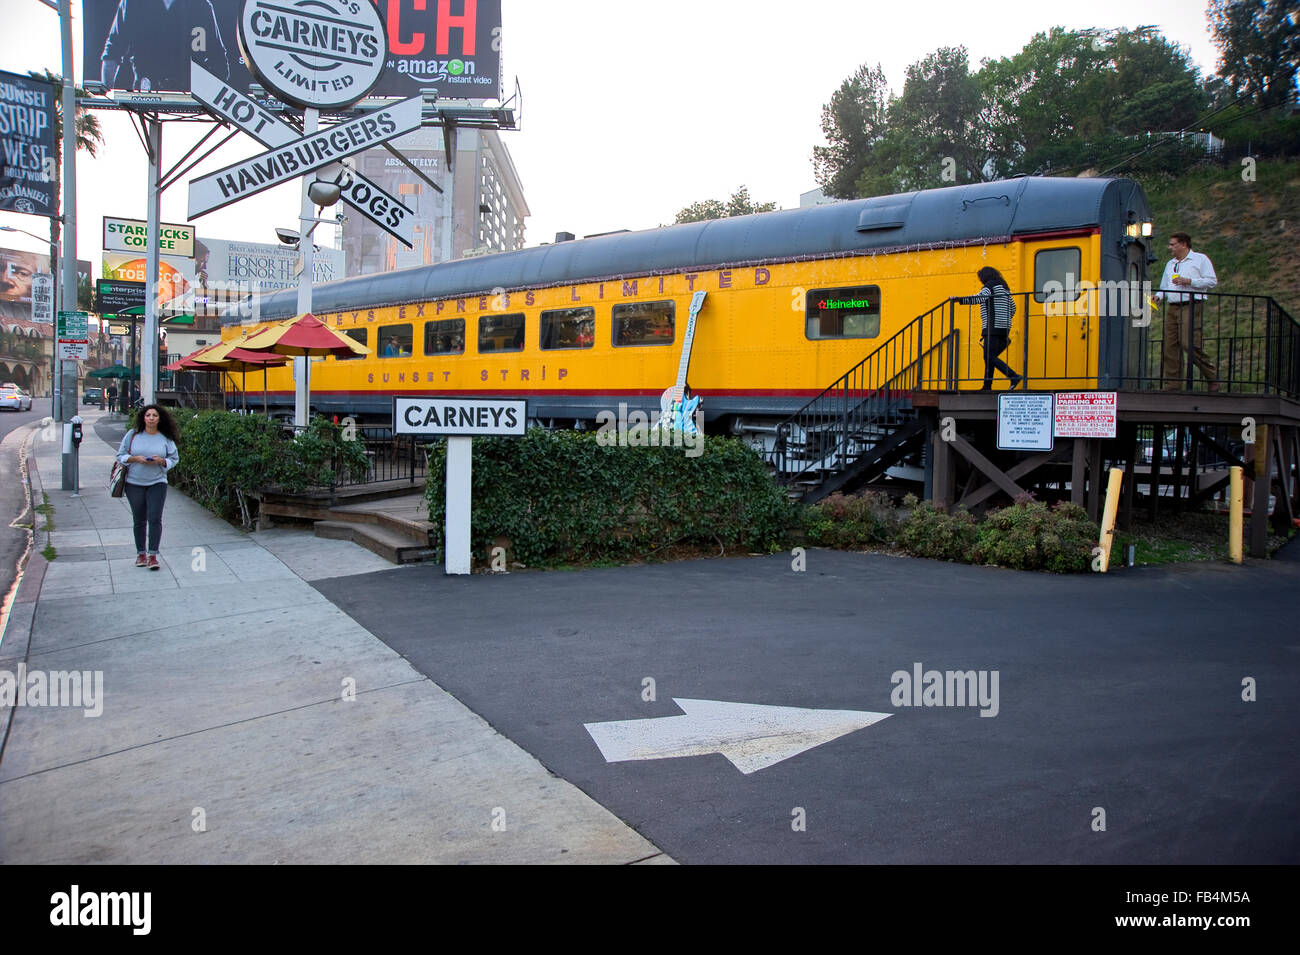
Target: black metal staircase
864	422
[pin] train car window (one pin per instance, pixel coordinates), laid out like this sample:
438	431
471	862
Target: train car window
850	312
500	333
569	328
1061	269
445	337
395	341
645	323
357	335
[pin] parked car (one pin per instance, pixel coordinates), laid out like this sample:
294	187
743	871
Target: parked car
14	398
93	396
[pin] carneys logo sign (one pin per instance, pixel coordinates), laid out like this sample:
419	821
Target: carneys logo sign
324	54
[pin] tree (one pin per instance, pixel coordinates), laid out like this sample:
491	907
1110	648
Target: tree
854	123
738	205
940	126
1259	47
89	137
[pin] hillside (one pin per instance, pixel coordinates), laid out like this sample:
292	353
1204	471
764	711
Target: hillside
1248	229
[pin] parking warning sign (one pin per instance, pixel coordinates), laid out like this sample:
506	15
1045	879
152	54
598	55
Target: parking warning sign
1085	414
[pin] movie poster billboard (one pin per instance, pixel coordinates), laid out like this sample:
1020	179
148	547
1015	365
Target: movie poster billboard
28	178
20	282
452	46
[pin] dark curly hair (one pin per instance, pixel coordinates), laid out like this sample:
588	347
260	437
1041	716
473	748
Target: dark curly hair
991	277
166	423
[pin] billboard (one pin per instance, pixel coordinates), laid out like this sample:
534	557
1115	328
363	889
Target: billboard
132	235
175	275
452	46
28	178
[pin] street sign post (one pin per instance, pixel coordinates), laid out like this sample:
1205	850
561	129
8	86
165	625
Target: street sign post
460	420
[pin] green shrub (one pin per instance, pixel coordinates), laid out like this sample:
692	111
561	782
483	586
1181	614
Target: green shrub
560	496
842	521
224	455
1031	536
932	532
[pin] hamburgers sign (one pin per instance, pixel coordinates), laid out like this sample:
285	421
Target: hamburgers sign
322	54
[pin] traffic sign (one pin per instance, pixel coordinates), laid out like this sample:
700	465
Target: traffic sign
119	329
74	351
302	156
116	295
369	198
73	327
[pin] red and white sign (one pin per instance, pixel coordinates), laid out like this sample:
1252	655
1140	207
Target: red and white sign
1085	414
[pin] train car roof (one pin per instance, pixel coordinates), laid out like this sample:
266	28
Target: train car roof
991	211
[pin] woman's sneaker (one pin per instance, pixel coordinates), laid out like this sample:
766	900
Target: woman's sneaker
141	560
153	563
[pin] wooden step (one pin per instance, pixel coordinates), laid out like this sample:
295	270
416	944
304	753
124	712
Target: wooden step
389	544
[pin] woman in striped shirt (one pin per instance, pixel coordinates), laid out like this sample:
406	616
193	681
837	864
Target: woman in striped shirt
997	308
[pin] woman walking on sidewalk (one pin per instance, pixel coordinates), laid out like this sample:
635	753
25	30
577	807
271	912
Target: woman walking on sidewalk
148	451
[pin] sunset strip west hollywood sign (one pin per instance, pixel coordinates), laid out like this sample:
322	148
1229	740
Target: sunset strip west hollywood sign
373	201
301	156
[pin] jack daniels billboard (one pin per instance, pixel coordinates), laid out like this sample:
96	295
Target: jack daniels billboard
452	46
28	177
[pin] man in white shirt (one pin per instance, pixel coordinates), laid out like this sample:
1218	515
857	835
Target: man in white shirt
1187	274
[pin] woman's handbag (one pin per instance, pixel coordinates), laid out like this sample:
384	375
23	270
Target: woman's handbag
117	477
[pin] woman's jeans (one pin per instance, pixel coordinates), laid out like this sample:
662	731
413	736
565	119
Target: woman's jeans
146	507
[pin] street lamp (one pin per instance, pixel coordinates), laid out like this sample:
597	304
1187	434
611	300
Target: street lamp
323	190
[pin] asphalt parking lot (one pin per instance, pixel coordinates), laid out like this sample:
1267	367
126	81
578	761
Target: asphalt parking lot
1117	728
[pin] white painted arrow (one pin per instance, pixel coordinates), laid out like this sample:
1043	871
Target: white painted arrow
751	735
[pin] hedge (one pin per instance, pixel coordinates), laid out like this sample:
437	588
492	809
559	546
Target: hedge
226	457
560	496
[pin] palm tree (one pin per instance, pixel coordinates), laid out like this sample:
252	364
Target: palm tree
89	137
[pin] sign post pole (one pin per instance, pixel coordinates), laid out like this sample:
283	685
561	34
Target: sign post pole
68	381
302	366
149	344
460	420
460	457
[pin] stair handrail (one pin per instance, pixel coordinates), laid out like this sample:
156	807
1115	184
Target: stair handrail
912	336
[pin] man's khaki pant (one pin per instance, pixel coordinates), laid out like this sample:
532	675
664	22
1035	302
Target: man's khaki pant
1180	330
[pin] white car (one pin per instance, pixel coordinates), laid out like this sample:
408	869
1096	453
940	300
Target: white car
14	398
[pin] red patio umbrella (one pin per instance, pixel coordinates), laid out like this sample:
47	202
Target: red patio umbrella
305	336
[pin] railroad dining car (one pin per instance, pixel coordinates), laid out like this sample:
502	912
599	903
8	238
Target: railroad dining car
794	299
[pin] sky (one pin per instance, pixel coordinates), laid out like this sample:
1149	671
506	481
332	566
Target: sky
630	111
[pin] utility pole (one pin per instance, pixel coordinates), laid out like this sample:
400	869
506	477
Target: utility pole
68	370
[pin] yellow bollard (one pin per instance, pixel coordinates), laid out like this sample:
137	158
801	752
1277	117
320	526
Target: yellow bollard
1234	516
1108	516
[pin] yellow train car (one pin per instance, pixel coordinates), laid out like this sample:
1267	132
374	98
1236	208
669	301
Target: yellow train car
795	299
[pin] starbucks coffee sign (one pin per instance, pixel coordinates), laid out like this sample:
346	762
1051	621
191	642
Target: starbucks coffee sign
321	54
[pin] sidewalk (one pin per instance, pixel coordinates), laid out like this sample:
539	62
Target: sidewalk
226	734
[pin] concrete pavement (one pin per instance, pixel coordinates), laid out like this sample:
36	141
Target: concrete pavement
244	718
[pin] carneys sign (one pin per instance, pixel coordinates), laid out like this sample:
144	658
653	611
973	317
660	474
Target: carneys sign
317	54
325	54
